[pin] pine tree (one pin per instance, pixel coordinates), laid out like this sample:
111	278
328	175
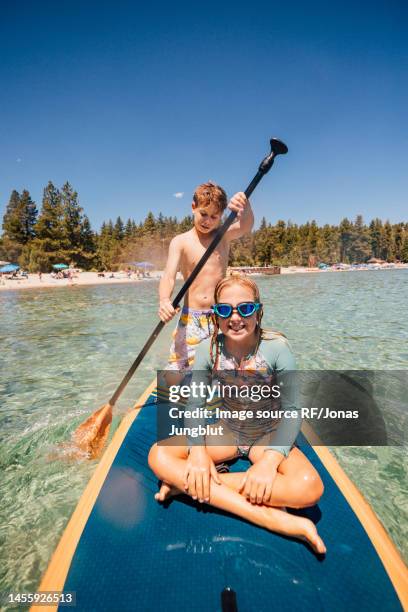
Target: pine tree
149	226
87	258
161	225
106	248
404	251
398	240
360	248
48	246
72	224
262	247
18	225
375	233
128	232
118	230
50	224
12	225
346	236
29	215
388	251
330	251
185	224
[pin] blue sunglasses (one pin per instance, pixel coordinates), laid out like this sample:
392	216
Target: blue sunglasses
245	309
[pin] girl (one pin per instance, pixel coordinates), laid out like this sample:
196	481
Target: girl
280	475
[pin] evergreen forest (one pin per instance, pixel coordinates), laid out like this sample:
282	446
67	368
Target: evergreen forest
60	232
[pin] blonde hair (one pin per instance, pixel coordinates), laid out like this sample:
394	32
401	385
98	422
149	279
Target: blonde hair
236	278
210	193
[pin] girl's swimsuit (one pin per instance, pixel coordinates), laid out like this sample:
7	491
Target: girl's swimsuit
271	364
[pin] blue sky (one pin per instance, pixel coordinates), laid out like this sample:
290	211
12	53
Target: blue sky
133	102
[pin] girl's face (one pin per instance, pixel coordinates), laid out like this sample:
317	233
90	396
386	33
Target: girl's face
237	328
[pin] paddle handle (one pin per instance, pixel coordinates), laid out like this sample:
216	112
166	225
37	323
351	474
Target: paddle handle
277	147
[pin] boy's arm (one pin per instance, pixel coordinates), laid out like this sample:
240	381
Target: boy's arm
166	310
245	221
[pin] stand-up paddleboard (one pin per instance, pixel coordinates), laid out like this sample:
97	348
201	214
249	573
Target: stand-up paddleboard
123	551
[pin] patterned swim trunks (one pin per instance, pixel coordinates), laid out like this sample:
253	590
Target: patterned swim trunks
193	327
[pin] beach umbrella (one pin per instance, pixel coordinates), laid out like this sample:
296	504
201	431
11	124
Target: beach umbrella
60	266
10	268
144	264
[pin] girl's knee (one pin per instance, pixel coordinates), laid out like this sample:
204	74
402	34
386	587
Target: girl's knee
309	487
157	456
153	456
160	454
314	488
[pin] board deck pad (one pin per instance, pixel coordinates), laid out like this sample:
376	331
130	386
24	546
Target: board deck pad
136	554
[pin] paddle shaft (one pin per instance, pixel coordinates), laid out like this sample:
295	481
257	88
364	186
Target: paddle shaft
263	169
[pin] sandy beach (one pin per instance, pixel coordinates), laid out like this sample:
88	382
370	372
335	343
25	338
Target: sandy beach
81	278
116	278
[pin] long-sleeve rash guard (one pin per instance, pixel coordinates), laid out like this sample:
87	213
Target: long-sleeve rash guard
273	360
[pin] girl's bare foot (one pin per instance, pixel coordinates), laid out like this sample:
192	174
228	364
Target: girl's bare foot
166	491
294	526
313	538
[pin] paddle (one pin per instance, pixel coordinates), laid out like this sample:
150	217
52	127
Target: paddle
91	435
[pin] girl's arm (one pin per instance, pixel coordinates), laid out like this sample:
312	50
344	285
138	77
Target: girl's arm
200	468
283	362
258	480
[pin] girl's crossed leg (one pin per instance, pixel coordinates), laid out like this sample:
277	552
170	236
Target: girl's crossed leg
297	485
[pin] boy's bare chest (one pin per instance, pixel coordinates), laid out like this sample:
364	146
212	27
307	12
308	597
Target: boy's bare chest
217	259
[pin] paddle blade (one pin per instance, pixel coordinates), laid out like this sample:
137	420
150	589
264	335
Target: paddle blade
91	435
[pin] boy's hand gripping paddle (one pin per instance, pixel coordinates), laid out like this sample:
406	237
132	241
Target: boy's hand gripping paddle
90	437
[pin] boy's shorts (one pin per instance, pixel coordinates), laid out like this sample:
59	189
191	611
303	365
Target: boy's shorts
193	327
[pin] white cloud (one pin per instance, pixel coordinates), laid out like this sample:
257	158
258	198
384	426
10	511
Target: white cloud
178	194
18	160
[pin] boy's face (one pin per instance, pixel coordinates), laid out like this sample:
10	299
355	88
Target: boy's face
206	219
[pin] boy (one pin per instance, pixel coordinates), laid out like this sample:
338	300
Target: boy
185	250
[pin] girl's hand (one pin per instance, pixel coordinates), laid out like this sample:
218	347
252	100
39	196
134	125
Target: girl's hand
259	478
199	469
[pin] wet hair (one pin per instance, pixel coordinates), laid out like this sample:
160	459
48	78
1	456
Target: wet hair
236	278
210	193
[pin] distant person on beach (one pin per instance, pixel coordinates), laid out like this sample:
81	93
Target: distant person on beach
185	250
40	276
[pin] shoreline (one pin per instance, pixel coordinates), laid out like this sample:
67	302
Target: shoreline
82	279
380	268
92	278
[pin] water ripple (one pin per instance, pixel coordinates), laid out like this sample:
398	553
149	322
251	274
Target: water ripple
64	352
